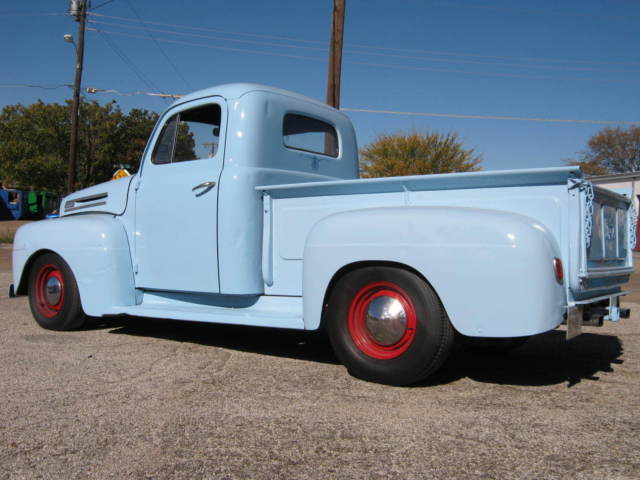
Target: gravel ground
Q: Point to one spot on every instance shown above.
(137, 398)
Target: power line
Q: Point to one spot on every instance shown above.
(31, 14)
(159, 47)
(41, 87)
(543, 11)
(409, 57)
(212, 37)
(127, 61)
(188, 27)
(500, 57)
(370, 64)
(419, 114)
(215, 47)
(130, 94)
(101, 5)
(377, 47)
(492, 117)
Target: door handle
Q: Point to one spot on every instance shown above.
(206, 185)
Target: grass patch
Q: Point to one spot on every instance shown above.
(6, 237)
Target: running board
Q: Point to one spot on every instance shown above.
(266, 311)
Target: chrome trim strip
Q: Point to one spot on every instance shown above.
(598, 273)
(85, 206)
(89, 198)
(597, 299)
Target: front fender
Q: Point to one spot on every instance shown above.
(96, 248)
(492, 270)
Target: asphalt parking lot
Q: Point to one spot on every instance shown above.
(137, 398)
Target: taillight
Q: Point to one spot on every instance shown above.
(557, 268)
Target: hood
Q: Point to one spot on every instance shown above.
(108, 197)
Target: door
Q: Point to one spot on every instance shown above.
(176, 217)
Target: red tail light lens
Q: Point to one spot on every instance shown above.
(557, 268)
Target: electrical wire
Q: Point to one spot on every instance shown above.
(546, 11)
(31, 14)
(369, 64)
(101, 5)
(420, 114)
(491, 117)
(377, 47)
(131, 94)
(41, 87)
(228, 32)
(348, 51)
(128, 62)
(173, 65)
(409, 57)
(212, 37)
(215, 47)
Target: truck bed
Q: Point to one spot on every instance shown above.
(554, 200)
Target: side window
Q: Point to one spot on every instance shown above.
(189, 135)
(163, 151)
(308, 134)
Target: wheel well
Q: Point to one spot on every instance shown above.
(370, 263)
(24, 277)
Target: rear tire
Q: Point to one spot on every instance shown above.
(53, 294)
(388, 326)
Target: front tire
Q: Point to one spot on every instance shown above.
(388, 326)
(53, 294)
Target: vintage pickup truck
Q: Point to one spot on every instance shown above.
(248, 209)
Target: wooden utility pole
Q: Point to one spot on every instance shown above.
(79, 10)
(335, 54)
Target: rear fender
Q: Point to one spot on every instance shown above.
(95, 247)
(492, 270)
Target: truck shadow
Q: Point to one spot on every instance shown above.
(546, 359)
(310, 346)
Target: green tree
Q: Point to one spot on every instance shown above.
(397, 154)
(34, 143)
(611, 150)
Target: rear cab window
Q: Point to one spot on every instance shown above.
(307, 134)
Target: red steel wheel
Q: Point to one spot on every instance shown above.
(387, 325)
(382, 320)
(53, 294)
(49, 290)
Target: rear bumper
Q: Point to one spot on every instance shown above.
(594, 311)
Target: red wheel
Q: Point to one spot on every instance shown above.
(49, 290)
(382, 320)
(53, 294)
(387, 325)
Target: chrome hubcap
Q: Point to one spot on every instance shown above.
(386, 320)
(53, 290)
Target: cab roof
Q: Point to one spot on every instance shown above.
(231, 91)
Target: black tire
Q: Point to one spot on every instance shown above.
(52, 310)
(415, 348)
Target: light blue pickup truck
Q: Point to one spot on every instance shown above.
(248, 210)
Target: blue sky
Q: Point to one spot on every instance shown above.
(544, 59)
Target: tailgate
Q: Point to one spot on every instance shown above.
(608, 237)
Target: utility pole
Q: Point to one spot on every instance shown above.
(335, 54)
(78, 9)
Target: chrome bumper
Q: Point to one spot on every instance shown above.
(593, 311)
